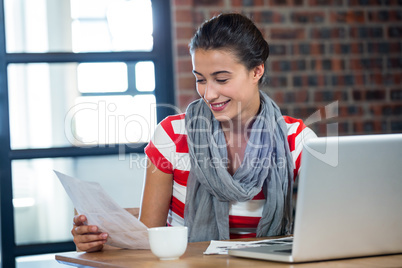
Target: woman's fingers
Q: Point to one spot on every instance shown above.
(90, 247)
(79, 220)
(84, 229)
(90, 242)
(87, 237)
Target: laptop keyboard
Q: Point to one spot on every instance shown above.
(288, 241)
(284, 250)
(278, 243)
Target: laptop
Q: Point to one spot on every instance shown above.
(349, 201)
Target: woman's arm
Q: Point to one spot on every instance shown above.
(156, 198)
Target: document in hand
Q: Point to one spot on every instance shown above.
(89, 199)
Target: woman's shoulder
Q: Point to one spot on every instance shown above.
(173, 118)
(170, 132)
(296, 127)
(174, 124)
(291, 120)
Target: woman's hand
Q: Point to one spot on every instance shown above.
(87, 237)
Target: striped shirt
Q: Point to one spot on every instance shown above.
(168, 151)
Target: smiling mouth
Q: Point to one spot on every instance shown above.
(219, 106)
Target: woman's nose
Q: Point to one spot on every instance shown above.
(210, 93)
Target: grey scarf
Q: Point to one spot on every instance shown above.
(267, 165)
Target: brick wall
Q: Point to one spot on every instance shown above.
(321, 51)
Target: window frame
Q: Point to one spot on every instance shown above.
(161, 55)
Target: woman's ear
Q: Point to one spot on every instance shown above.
(258, 72)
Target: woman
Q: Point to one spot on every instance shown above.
(226, 167)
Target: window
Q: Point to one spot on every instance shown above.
(86, 82)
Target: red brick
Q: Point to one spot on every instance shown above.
(184, 66)
(327, 32)
(277, 81)
(343, 127)
(285, 2)
(367, 32)
(396, 95)
(321, 80)
(184, 15)
(267, 16)
(396, 126)
(370, 127)
(279, 2)
(356, 48)
(186, 83)
(317, 48)
(277, 50)
(365, 64)
(290, 33)
(358, 127)
(242, 3)
(330, 95)
(394, 31)
(278, 96)
(184, 32)
(386, 110)
(394, 63)
(182, 50)
(384, 16)
(298, 65)
(346, 111)
(387, 79)
(185, 100)
(328, 64)
(301, 96)
(369, 95)
(359, 79)
(376, 110)
(373, 77)
(363, 3)
(285, 66)
(208, 2)
(347, 48)
(304, 111)
(182, 2)
(214, 12)
(338, 64)
(385, 47)
(308, 17)
(325, 3)
(372, 3)
(199, 18)
(347, 16)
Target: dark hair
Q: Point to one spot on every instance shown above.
(233, 32)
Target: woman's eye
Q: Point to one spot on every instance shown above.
(199, 80)
(221, 80)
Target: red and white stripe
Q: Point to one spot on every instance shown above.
(168, 151)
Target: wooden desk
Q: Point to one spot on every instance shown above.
(194, 258)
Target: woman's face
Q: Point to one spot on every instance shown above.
(227, 87)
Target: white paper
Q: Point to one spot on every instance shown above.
(222, 247)
(89, 199)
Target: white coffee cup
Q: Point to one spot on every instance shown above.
(168, 243)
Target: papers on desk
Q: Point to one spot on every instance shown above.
(222, 247)
(89, 199)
